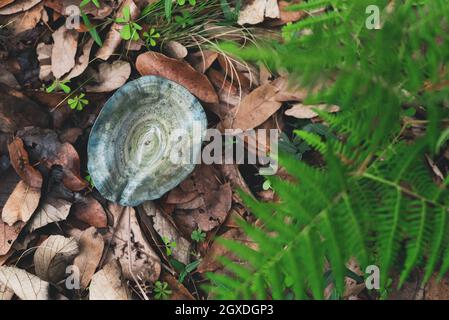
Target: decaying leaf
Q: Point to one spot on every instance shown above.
(21, 204)
(52, 210)
(179, 292)
(90, 211)
(91, 247)
(18, 6)
(131, 248)
(21, 164)
(44, 56)
(107, 284)
(25, 285)
(9, 234)
(202, 60)
(61, 7)
(255, 11)
(256, 107)
(167, 230)
(64, 51)
(113, 38)
(301, 111)
(24, 21)
(110, 76)
(4, 3)
(157, 64)
(5, 293)
(52, 257)
(81, 62)
(175, 50)
(45, 147)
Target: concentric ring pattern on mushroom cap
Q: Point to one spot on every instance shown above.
(145, 141)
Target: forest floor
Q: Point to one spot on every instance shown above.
(57, 72)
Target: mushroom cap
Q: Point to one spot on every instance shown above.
(145, 141)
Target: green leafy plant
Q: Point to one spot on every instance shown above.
(198, 235)
(183, 2)
(151, 37)
(59, 85)
(86, 2)
(161, 290)
(78, 102)
(169, 246)
(185, 19)
(375, 199)
(130, 29)
(184, 270)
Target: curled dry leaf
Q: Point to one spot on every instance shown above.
(113, 38)
(255, 11)
(18, 6)
(24, 21)
(25, 285)
(9, 234)
(82, 61)
(157, 64)
(21, 204)
(91, 247)
(110, 76)
(175, 50)
(134, 253)
(21, 164)
(46, 148)
(52, 257)
(301, 111)
(257, 107)
(107, 284)
(90, 211)
(167, 230)
(44, 56)
(64, 51)
(53, 210)
(202, 60)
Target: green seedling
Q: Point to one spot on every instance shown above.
(78, 102)
(198, 235)
(161, 290)
(184, 20)
(151, 37)
(169, 246)
(183, 2)
(130, 29)
(59, 85)
(86, 2)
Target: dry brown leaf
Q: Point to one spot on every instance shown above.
(107, 284)
(175, 50)
(52, 257)
(52, 210)
(18, 6)
(5, 293)
(301, 111)
(90, 211)
(60, 6)
(9, 234)
(64, 51)
(179, 292)
(25, 21)
(7, 78)
(272, 9)
(82, 61)
(25, 285)
(135, 255)
(202, 60)
(91, 247)
(44, 56)
(256, 107)
(288, 16)
(157, 64)
(110, 76)
(253, 12)
(113, 38)
(21, 204)
(168, 231)
(21, 164)
(46, 148)
(4, 3)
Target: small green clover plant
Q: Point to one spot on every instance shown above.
(183, 2)
(78, 102)
(130, 29)
(198, 235)
(151, 37)
(59, 85)
(184, 20)
(161, 290)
